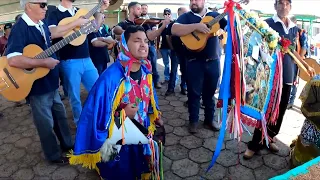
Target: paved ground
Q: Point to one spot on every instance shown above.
(186, 156)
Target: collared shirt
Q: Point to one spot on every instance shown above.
(290, 33)
(99, 55)
(26, 32)
(285, 28)
(212, 49)
(71, 10)
(68, 52)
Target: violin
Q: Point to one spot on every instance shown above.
(150, 21)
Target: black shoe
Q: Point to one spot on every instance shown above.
(183, 91)
(61, 161)
(185, 104)
(158, 85)
(210, 127)
(193, 128)
(169, 93)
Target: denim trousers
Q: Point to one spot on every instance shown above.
(75, 72)
(202, 80)
(183, 69)
(152, 56)
(50, 119)
(166, 53)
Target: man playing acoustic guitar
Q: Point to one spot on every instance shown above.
(203, 68)
(48, 111)
(76, 65)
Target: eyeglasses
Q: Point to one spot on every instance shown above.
(41, 4)
(167, 14)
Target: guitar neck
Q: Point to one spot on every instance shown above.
(54, 48)
(92, 11)
(217, 19)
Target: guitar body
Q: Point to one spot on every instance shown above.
(312, 63)
(198, 44)
(80, 40)
(24, 79)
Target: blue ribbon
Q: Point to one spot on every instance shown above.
(224, 94)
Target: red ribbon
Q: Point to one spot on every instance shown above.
(235, 78)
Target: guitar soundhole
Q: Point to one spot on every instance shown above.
(29, 70)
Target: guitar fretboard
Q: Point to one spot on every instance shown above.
(92, 11)
(54, 48)
(217, 19)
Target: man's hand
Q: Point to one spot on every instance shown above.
(81, 21)
(131, 110)
(166, 21)
(203, 28)
(50, 63)
(311, 71)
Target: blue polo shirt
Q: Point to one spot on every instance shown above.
(290, 33)
(69, 51)
(26, 32)
(99, 55)
(213, 48)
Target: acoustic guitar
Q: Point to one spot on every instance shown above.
(80, 13)
(197, 41)
(312, 63)
(16, 83)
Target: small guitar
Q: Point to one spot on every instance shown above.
(15, 83)
(197, 41)
(80, 13)
(312, 63)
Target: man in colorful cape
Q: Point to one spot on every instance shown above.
(125, 90)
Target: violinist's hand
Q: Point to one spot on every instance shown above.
(311, 71)
(166, 20)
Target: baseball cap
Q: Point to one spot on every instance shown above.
(166, 10)
(7, 26)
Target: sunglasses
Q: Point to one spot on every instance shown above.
(167, 14)
(41, 4)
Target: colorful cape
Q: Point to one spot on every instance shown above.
(97, 117)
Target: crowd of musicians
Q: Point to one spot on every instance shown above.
(75, 65)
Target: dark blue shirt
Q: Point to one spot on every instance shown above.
(164, 42)
(288, 63)
(69, 51)
(177, 44)
(99, 55)
(23, 35)
(213, 48)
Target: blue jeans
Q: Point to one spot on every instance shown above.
(166, 53)
(75, 72)
(202, 80)
(50, 119)
(152, 56)
(294, 87)
(183, 69)
(174, 71)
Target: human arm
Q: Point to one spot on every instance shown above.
(310, 70)
(304, 44)
(182, 27)
(58, 31)
(14, 52)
